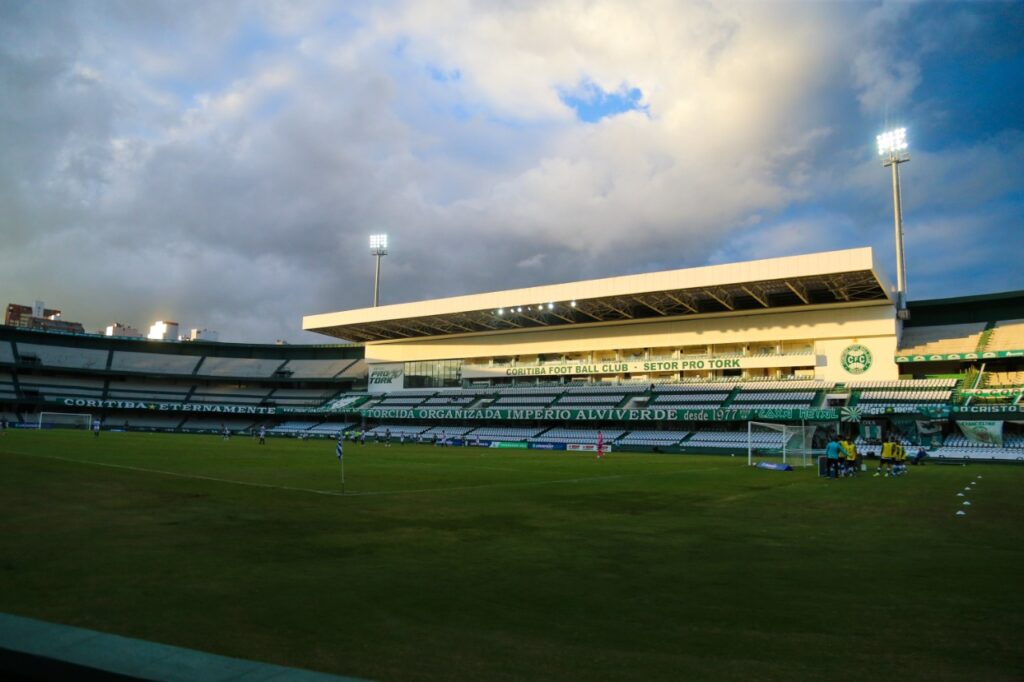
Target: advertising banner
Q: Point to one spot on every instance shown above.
(386, 377)
(547, 446)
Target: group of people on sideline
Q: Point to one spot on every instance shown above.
(437, 439)
(843, 458)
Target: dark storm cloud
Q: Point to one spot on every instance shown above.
(222, 164)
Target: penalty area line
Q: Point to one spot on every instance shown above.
(197, 477)
(354, 493)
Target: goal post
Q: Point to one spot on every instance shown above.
(65, 420)
(786, 443)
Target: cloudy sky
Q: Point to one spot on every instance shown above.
(223, 163)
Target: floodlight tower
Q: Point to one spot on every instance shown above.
(892, 147)
(378, 247)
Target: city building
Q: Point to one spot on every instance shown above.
(163, 330)
(126, 330)
(38, 316)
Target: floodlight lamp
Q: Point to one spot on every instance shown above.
(573, 304)
(501, 311)
(551, 306)
(892, 141)
(378, 243)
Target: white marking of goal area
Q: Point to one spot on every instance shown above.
(786, 443)
(64, 420)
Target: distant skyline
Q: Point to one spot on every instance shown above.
(223, 164)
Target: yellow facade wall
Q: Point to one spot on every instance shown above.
(832, 328)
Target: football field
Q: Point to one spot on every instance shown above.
(466, 563)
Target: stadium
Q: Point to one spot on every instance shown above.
(537, 483)
(679, 361)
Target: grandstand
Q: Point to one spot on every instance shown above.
(653, 439)
(679, 361)
(140, 384)
(575, 436)
(1007, 335)
(505, 433)
(949, 338)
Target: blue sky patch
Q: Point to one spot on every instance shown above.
(591, 103)
(442, 76)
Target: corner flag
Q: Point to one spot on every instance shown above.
(339, 450)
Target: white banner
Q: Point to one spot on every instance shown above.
(386, 377)
(985, 432)
(587, 447)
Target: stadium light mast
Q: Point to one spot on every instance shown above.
(892, 147)
(378, 247)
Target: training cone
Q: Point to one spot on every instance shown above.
(967, 503)
(961, 513)
(959, 494)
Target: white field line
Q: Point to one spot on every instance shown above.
(338, 493)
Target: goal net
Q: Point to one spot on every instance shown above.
(65, 420)
(781, 443)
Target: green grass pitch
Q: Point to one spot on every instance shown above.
(463, 563)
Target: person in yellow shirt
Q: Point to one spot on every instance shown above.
(899, 460)
(851, 457)
(885, 465)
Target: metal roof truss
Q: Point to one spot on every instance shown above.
(788, 292)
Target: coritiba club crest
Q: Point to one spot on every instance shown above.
(856, 359)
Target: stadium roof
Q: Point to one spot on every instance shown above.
(833, 277)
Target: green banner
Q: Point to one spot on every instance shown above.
(871, 430)
(549, 413)
(964, 411)
(993, 392)
(215, 408)
(600, 414)
(939, 357)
